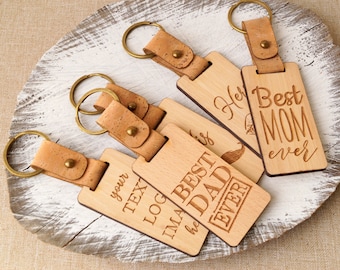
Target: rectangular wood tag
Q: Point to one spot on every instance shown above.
(219, 91)
(286, 130)
(204, 185)
(214, 137)
(128, 199)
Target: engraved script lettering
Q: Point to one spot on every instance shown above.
(120, 183)
(232, 101)
(284, 120)
(202, 138)
(194, 228)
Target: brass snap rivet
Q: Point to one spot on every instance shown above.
(177, 54)
(70, 163)
(132, 131)
(132, 106)
(265, 44)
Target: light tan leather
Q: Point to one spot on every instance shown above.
(267, 60)
(51, 158)
(150, 114)
(125, 97)
(163, 45)
(117, 119)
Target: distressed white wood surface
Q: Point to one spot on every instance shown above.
(49, 207)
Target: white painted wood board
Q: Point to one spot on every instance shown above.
(49, 207)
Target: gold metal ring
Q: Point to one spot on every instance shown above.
(82, 99)
(77, 82)
(129, 30)
(9, 144)
(233, 7)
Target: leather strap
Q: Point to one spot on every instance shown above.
(262, 45)
(150, 114)
(175, 55)
(65, 164)
(141, 139)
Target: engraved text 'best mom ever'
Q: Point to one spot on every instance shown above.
(286, 130)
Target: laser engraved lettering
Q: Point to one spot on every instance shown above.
(228, 103)
(230, 204)
(170, 230)
(202, 138)
(155, 209)
(120, 183)
(194, 228)
(213, 178)
(284, 120)
(135, 197)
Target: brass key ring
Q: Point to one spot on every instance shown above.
(82, 99)
(9, 144)
(129, 30)
(233, 7)
(77, 82)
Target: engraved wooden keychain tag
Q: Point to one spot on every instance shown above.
(110, 187)
(283, 119)
(211, 135)
(127, 198)
(198, 181)
(212, 82)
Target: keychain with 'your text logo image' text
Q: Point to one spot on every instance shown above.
(198, 181)
(212, 82)
(110, 187)
(211, 135)
(283, 119)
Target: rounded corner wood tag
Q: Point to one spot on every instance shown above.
(283, 119)
(219, 91)
(214, 137)
(128, 199)
(205, 186)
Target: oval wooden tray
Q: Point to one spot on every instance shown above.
(49, 207)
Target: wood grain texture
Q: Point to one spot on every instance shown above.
(49, 207)
(201, 183)
(128, 199)
(213, 137)
(284, 122)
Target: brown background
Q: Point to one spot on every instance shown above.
(30, 27)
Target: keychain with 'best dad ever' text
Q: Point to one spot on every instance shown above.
(111, 188)
(282, 116)
(189, 174)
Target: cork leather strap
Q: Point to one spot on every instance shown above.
(130, 130)
(150, 114)
(65, 164)
(262, 45)
(175, 55)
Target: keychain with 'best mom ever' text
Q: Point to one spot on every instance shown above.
(212, 82)
(111, 188)
(283, 119)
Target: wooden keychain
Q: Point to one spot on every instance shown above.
(110, 187)
(283, 119)
(198, 181)
(212, 82)
(214, 137)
